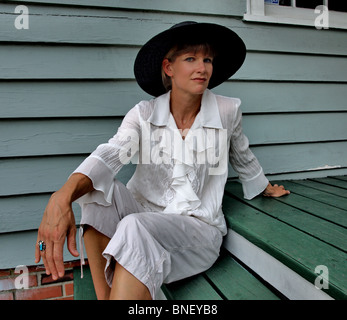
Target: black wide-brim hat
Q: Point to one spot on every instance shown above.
(229, 48)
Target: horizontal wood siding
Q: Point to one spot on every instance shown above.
(67, 81)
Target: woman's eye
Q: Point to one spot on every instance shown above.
(208, 60)
(190, 59)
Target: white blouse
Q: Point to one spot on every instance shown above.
(175, 175)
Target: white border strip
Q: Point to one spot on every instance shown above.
(285, 280)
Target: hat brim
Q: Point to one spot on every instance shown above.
(229, 47)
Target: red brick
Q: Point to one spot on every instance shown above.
(6, 296)
(37, 268)
(72, 264)
(68, 289)
(68, 276)
(4, 273)
(39, 293)
(32, 280)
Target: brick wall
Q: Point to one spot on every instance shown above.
(40, 286)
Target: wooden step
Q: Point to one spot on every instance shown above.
(226, 280)
(300, 231)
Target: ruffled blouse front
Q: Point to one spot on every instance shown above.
(175, 175)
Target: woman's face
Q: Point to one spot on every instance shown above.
(190, 72)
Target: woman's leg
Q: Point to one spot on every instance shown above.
(126, 287)
(95, 243)
(100, 223)
(157, 248)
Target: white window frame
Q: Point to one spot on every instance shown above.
(259, 11)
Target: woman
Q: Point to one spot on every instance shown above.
(167, 224)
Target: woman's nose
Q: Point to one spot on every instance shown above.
(201, 67)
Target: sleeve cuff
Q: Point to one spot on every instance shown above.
(256, 185)
(102, 178)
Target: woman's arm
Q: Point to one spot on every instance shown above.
(58, 223)
(247, 165)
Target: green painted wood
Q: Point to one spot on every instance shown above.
(114, 98)
(293, 67)
(314, 194)
(323, 187)
(315, 207)
(236, 283)
(298, 127)
(20, 213)
(193, 288)
(202, 6)
(297, 250)
(18, 248)
(326, 231)
(46, 174)
(54, 137)
(35, 175)
(66, 62)
(285, 96)
(83, 288)
(75, 135)
(333, 182)
(41, 175)
(290, 158)
(54, 99)
(66, 24)
(112, 62)
(62, 24)
(343, 178)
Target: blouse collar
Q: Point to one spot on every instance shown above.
(209, 112)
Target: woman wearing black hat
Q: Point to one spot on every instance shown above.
(167, 223)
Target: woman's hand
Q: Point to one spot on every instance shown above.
(58, 222)
(275, 191)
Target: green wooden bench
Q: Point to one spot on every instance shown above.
(275, 248)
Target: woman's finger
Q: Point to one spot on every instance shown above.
(37, 251)
(58, 258)
(47, 256)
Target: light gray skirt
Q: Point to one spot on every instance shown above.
(155, 247)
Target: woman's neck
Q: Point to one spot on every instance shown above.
(184, 109)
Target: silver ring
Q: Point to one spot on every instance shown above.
(42, 245)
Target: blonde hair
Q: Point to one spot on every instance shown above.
(180, 49)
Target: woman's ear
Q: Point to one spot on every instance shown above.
(166, 65)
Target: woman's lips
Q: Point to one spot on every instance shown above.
(199, 79)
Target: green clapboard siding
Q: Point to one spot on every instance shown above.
(109, 98)
(111, 62)
(67, 81)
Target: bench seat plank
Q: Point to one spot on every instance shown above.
(315, 194)
(333, 182)
(236, 283)
(314, 207)
(344, 178)
(323, 187)
(294, 248)
(321, 229)
(193, 288)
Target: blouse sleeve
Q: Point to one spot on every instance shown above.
(244, 161)
(108, 158)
